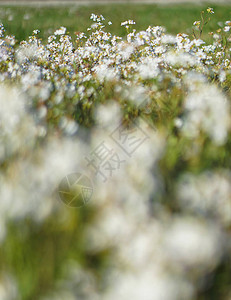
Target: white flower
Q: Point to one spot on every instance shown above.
(148, 68)
(17, 129)
(207, 109)
(108, 116)
(60, 31)
(129, 22)
(36, 31)
(190, 243)
(208, 193)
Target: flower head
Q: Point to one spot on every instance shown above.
(210, 10)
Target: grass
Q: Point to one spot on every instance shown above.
(21, 21)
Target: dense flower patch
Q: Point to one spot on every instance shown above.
(158, 107)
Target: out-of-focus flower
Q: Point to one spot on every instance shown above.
(60, 31)
(210, 10)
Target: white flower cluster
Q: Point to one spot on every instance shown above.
(164, 216)
(207, 109)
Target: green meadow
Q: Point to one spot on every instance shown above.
(21, 21)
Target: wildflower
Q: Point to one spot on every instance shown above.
(129, 22)
(210, 10)
(60, 31)
(206, 108)
(93, 17)
(36, 31)
(2, 30)
(197, 23)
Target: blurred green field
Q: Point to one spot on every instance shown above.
(21, 21)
